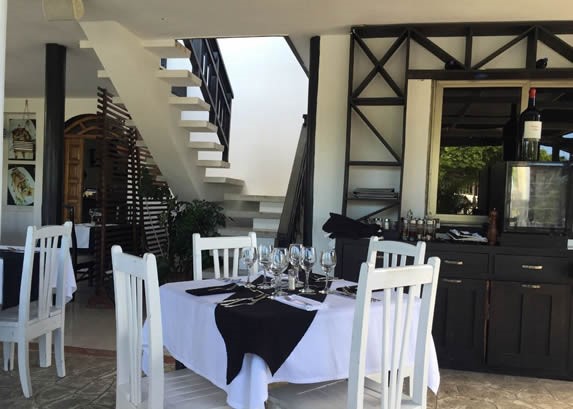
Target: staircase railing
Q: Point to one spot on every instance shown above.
(292, 218)
(208, 65)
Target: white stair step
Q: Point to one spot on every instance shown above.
(207, 146)
(243, 231)
(150, 162)
(166, 48)
(213, 164)
(250, 214)
(179, 78)
(253, 198)
(160, 178)
(224, 180)
(197, 126)
(130, 123)
(189, 103)
(140, 143)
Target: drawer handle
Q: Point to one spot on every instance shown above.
(531, 267)
(449, 280)
(533, 286)
(454, 262)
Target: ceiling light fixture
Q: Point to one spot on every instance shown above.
(58, 10)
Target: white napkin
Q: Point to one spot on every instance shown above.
(300, 302)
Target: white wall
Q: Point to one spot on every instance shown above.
(15, 219)
(271, 92)
(330, 133)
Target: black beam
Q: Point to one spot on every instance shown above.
(376, 132)
(296, 54)
(312, 104)
(502, 49)
(460, 29)
(55, 98)
(494, 74)
(531, 56)
(372, 163)
(555, 43)
(348, 123)
(432, 47)
(469, 47)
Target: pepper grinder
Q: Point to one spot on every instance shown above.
(492, 228)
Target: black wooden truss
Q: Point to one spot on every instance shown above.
(453, 69)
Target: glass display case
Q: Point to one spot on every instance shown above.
(536, 196)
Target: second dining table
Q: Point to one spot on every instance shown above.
(192, 335)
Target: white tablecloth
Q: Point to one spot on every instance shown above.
(191, 336)
(70, 286)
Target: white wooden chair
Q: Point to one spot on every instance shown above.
(228, 246)
(360, 391)
(134, 277)
(38, 319)
(395, 253)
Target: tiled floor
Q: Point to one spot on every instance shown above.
(90, 380)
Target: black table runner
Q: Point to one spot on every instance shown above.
(269, 329)
(13, 261)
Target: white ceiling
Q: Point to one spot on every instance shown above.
(28, 32)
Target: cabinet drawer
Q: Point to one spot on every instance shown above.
(462, 264)
(532, 268)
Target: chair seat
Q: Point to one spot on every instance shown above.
(9, 316)
(185, 389)
(326, 395)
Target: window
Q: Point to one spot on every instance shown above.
(475, 124)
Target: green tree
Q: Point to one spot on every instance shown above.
(460, 168)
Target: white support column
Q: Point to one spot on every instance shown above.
(3, 20)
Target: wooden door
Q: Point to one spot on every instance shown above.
(459, 323)
(74, 175)
(529, 326)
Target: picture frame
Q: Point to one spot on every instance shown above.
(21, 185)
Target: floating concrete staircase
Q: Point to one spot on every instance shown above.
(182, 157)
(246, 213)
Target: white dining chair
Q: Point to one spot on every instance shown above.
(41, 318)
(135, 281)
(225, 247)
(399, 303)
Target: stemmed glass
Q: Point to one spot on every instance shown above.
(249, 256)
(279, 263)
(327, 262)
(265, 253)
(295, 258)
(308, 259)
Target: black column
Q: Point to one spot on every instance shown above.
(55, 97)
(311, 122)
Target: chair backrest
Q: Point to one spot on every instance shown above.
(132, 276)
(220, 246)
(395, 253)
(398, 323)
(53, 243)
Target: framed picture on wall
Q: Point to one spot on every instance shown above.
(21, 134)
(21, 181)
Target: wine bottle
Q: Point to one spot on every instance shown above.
(530, 121)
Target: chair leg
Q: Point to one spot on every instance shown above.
(59, 352)
(8, 356)
(45, 349)
(24, 368)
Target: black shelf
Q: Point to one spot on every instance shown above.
(373, 163)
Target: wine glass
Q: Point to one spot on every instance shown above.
(295, 257)
(249, 257)
(279, 263)
(265, 253)
(327, 262)
(308, 259)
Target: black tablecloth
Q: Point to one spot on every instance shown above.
(13, 276)
(269, 329)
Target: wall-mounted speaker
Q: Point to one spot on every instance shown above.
(56, 10)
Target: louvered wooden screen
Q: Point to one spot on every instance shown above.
(153, 206)
(117, 199)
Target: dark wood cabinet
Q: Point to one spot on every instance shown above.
(505, 309)
(529, 326)
(459, 323)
